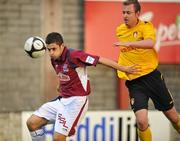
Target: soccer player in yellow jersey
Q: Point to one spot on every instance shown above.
(136, 41)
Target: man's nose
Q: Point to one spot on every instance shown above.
(125, 14)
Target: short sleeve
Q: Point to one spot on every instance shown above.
(149, 31)
(81, 58)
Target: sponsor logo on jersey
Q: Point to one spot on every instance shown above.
(127, 49)
(63, 77)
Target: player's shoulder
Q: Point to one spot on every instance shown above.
(121, 27)
(75, 53)
(145, 23)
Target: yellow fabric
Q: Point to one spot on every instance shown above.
(146, 58)
(145, 135)
(177, 125)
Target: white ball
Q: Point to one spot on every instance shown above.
(35, 47)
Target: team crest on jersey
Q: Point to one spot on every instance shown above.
(135, 34)
(90, 60)
(63, 77)
(65, 68)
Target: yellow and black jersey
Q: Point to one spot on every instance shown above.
(146, 58)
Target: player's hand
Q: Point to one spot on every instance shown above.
(134, 69)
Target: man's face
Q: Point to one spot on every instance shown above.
(55, 50)
(129, 15)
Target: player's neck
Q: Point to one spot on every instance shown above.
(134, 24)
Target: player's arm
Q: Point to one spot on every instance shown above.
(127, 69)
(146, 44)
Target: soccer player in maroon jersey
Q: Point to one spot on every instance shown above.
(69, 108)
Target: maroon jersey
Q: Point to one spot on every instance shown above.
(72, 73)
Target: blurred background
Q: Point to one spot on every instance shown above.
(27, 83)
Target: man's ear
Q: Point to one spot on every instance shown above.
(62, 45)
(137, 14)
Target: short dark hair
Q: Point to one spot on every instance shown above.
(54, 37)
(136, 4)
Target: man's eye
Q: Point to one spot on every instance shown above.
(128, 12)
(53, 49)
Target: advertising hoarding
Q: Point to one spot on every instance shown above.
(108, 126)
